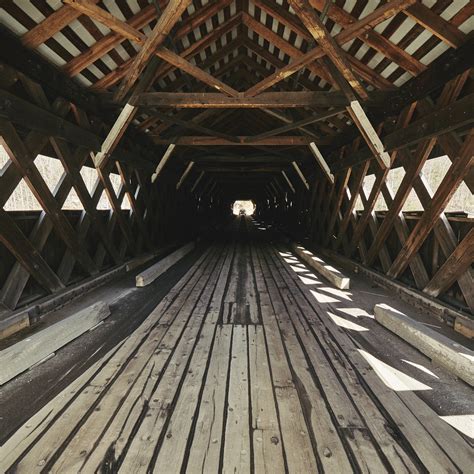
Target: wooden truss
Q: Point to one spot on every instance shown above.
(293, 103)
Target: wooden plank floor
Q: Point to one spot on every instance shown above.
(238, 369)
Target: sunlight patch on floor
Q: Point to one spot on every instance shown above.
(356, 312)
(298, 269)
(309, 281)
(323, 298)
(463, 423)
(344, 323)
(336, 292)
(392, 377)
(420, 367)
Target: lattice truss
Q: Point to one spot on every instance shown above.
(320, 93)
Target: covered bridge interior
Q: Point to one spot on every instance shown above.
(223, 342)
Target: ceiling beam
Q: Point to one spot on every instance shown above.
(352, 31)
(300, 123)
(171, 14)
(192, 125)
(203, 100)
(216, 141)
(327, 43)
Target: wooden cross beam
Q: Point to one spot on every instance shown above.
(300, 174)
(185, 174)
(446, 189)
(266, 100)
(321, 162)
(192, 125)
(23, 160)
(317, 29)
(290, 184)
(193, 21)
(372, 38)
(299, 123)
(133, 34)
(165, 23)
(281, 140)
(436, 123)
(198, 179)
(454, 266)
(352, 31)
(163, 161)
(17, 243)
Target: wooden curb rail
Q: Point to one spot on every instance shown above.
(440, 349)
(327, 271)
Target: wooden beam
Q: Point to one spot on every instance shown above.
(243, 141)
(367, 130)
(373, 39)
(358, 182)
(198, 179)
(300, 123)
(354, 30)
(89, 8)
(446, 189)
(321, 162)
(436, 123)
(114, 135)
(163, 161)
(319, 32)
(165, 23)
(192, 22)
(137, 213)
(31, 116)
(185, 174)
(199, 74)
(73, 167)
(53, 23)
(290, 184)
(192, 125)
(266, 100)
(28, 256)
(137, 36)
(342, 189)
(18, 153)
(300, 174)
(437, 25)
(454, 266)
